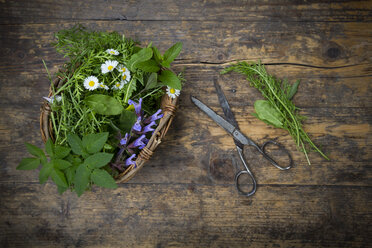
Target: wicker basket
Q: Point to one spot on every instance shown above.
(168, 106)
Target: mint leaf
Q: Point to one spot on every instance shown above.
(61, 164)
(157, 56)
(171, 54)
(75, 143)
(143, 55)
(82, 178)
(61, 151)
(103, 179)
(28, 164)
(170, 79)
(152, 81)
(127, 119)
(94, 142)
(98, 160)
(59, 178)
(148, 66)
(49, 147)
(293, 89)
(34, 150)
(45, 173)
(104, 104)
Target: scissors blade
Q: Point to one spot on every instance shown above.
(237, 135)
(227, 110)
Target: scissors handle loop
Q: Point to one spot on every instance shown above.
(270, 159)
(244, 172)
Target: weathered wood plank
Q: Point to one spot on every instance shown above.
(185, 215)
(41, 11)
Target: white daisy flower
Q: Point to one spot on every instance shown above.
(91, 83)
(112, 51)
(108, 66)
(103, 86)
(126, 76)
(172, 93)
(118, 85)
(51, 99)
(122, 68)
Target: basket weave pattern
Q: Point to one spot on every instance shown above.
(168, 107)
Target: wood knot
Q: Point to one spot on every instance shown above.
(145, 154)
(170, 108)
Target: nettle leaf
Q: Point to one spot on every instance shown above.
(171, 54)
(49, 147)
(152, 81)
(45, 172)
(28, 164)
(267, 112)
(82, 178)
(293, 89)
(104, 104)
(149, 66)
(127, 119)
(94, 142)
(143, 55)
(61, 189)
(103, 179)
(98, 160)
(59, 178)
(34, 150)
(61, 151)
(61, 164)
(170, 79)
(70, 174)
(75, 143)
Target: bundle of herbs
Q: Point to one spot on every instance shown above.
(106, 109)
(277, 110)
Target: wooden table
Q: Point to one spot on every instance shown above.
(185, 197)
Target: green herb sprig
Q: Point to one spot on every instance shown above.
(278, 109)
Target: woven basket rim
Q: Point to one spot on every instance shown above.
(168, 107)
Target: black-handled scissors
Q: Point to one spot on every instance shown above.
(231, 126)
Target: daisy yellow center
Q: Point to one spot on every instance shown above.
(124, 77)
(123, 69)
(117, 85)
(91, 83)
(110, 67)
(103, 86)
(112, 52)
(172, 90)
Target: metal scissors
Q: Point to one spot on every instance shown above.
(231, 126)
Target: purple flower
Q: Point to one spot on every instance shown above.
(149, 128)
(138, 142)
(137, 106)
(124, 141)
(137, 126)
(145, 141)
(154, 117)
(130, 161)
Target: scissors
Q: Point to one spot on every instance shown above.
(240, 140)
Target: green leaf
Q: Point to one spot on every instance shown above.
(75, 143)
(59, 178)
(28, 164)
(104, 104)
(267, 112)
(143, 55)
(61, 164)
(157, 56)
(148, 66)
(130, 88)
(94, 142)
(152, 81)
(103, 179)
(171, 54)
(61, 151)
(34, 150)
(98, 160)
(170, 79)
(61, 189)
(45, 173)
(49, 147)
(82, 178)
(127, 119)
(70, 174)
(293, 89)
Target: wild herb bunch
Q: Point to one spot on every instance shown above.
(106, 77)
(277, 109)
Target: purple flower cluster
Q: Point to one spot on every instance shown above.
(135, 140)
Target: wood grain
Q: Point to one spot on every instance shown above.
(185, 196)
